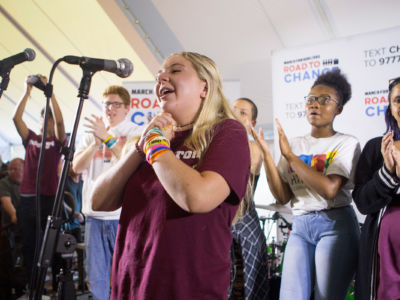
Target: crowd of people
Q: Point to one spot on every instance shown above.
(158, 225)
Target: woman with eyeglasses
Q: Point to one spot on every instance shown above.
(377, 194)
(315, 175)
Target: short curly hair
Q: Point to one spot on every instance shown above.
(338, 81)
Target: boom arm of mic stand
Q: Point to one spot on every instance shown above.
(5, 79)
(54, 222)
(86, 81)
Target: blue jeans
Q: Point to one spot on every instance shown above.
(321, 255)
(100, 240)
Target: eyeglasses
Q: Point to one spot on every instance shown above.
(322, 100)
(113, 104)
(393, 82)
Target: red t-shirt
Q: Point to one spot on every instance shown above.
(164, 252)
(51, 160)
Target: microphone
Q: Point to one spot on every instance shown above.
(8, 63)
(122, 67)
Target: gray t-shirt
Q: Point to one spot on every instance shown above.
(10, 189)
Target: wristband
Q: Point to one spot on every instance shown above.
(107, 139)
(159, 153)
(155, 144)
(154, 141)
(156, 152)
(111, 143)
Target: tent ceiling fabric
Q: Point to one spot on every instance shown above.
(239, 35)
(55, 29)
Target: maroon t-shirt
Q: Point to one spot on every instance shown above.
(164, 252)
(51, 160)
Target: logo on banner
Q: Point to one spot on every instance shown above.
(144, 106)
(381, 56)
(376, 103)
(307, 68)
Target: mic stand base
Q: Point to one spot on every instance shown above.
(51, 236)
(66, 287)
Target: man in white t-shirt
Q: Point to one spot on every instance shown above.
(95, 153)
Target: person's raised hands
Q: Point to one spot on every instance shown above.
(283, 141)
(387, 147)
(96, 126)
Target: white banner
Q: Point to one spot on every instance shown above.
(368, 61)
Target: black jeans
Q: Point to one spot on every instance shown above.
(26, 214)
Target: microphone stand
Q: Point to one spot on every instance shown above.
(277, 216)
(65, 243)
(5, 79)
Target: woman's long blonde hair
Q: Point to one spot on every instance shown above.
(214, 109)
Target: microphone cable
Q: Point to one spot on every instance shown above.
(48, 91)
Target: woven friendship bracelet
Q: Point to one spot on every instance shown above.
(139, 149)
